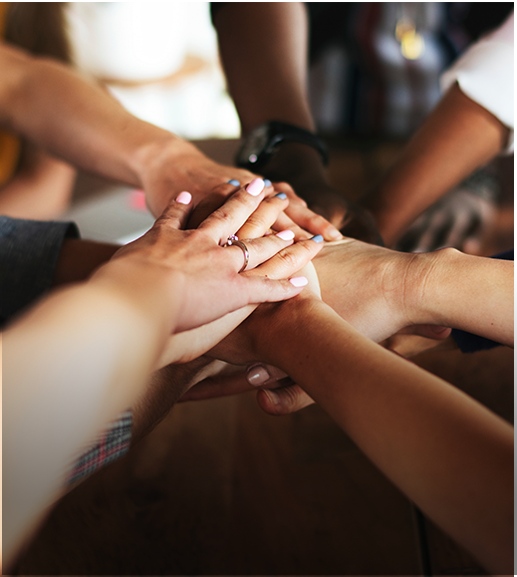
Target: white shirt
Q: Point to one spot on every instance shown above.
(485, 74)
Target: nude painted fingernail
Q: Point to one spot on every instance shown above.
(184, 197)
(285, 234)
(257, 375)
(299, 281)
(255, 187)
(335, 234)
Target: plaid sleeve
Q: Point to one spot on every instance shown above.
(112, 445)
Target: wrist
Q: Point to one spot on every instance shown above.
(276, 343)
(150, 159)
(427, 276)
(80, 258)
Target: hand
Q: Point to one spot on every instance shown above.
(171, 271)
(373, 288)
(187, 345)
(276, 392)
(351, 219)
(191, 170)
(458, 220)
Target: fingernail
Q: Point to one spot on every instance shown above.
(281, 195)
(299, 281)
(255, 187)
(257, 375)
(285, 234)
(234, 182)
(184, 197)
(335, 234)
(267, 182)
(317, 238)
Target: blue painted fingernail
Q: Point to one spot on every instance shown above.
(281, 195)
(267, 182)
(234, 182)
(317, 238)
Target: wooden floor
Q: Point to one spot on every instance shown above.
(220, 488)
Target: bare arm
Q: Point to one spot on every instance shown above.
(458, 137)
(380, 291)
(264, 52)
(447, 453)
(83, 355)
(76, 120)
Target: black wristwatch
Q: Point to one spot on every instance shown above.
(262, 142)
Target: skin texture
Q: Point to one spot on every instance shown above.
(121, 318)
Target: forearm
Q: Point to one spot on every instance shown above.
(93, 131)
(458, 137)
(61, 389)
(448, 454)
(472, 293)
(263, 48)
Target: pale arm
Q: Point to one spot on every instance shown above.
(78, 121)
(381, 291)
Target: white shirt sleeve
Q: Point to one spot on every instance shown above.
(485, 74)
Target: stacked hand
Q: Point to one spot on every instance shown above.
(189, 278)
(375, 289)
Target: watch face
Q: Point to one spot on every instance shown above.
(254, 144)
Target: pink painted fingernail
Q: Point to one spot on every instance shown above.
(299, 281)
(257, 375)
(184, 197)
(255, 187)
(285, 234)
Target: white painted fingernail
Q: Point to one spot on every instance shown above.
(285, 234)
(255, 187)
(299, 281)
(184, 197)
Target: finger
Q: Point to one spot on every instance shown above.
(212, 201)
(229, 218)
(304, 217)
(261, 221)
(289, 260)
(256, 251)
(261, 375)
(283, 401)
(218, 386)
(283, 222)
(312, 222)
(177, 212)
(466, 224)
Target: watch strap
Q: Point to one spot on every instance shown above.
(277, 133)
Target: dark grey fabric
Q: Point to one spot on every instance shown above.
(29, 251)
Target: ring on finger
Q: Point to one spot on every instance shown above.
(233, 240)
